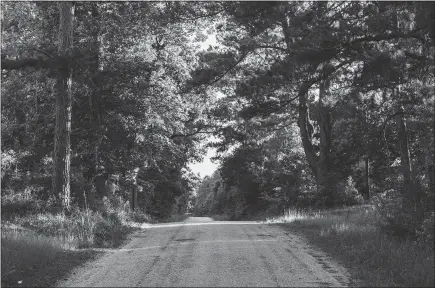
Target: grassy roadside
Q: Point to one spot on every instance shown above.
(29, 259)
(355, 238)
(41, 248)
(32, 260)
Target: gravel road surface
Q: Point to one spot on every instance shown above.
(203, 252)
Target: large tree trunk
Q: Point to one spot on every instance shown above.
(319, 163)
(412, 194)
(304, 128)
(62, 145)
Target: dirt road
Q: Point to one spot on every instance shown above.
(203, 252)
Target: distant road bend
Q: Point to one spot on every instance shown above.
(203, 252)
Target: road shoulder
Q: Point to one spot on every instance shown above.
(328, 250)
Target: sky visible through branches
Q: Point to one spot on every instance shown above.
(206, 167)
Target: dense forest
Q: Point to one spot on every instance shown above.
(310, 104)
(94, 91)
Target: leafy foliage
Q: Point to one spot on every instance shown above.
(127, 100)
(350, 75)
(310, 104)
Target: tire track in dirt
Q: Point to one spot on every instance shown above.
(263, 259)
(157, 259)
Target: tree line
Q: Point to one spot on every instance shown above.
(328, 103)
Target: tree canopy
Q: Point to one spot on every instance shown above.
(310, 103)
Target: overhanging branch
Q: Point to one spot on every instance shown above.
(389, 36)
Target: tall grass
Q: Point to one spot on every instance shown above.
(38, 247)
(357, 238)
(78, 228)
(74, 231)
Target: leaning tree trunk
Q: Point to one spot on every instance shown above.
(62, 145)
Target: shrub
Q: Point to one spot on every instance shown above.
(115, 205)
(20, 204)
(139, 216)
(22, 207)
(405, 217)
(348, 194)
(109, 231)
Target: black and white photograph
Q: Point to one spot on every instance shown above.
(217, 143)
